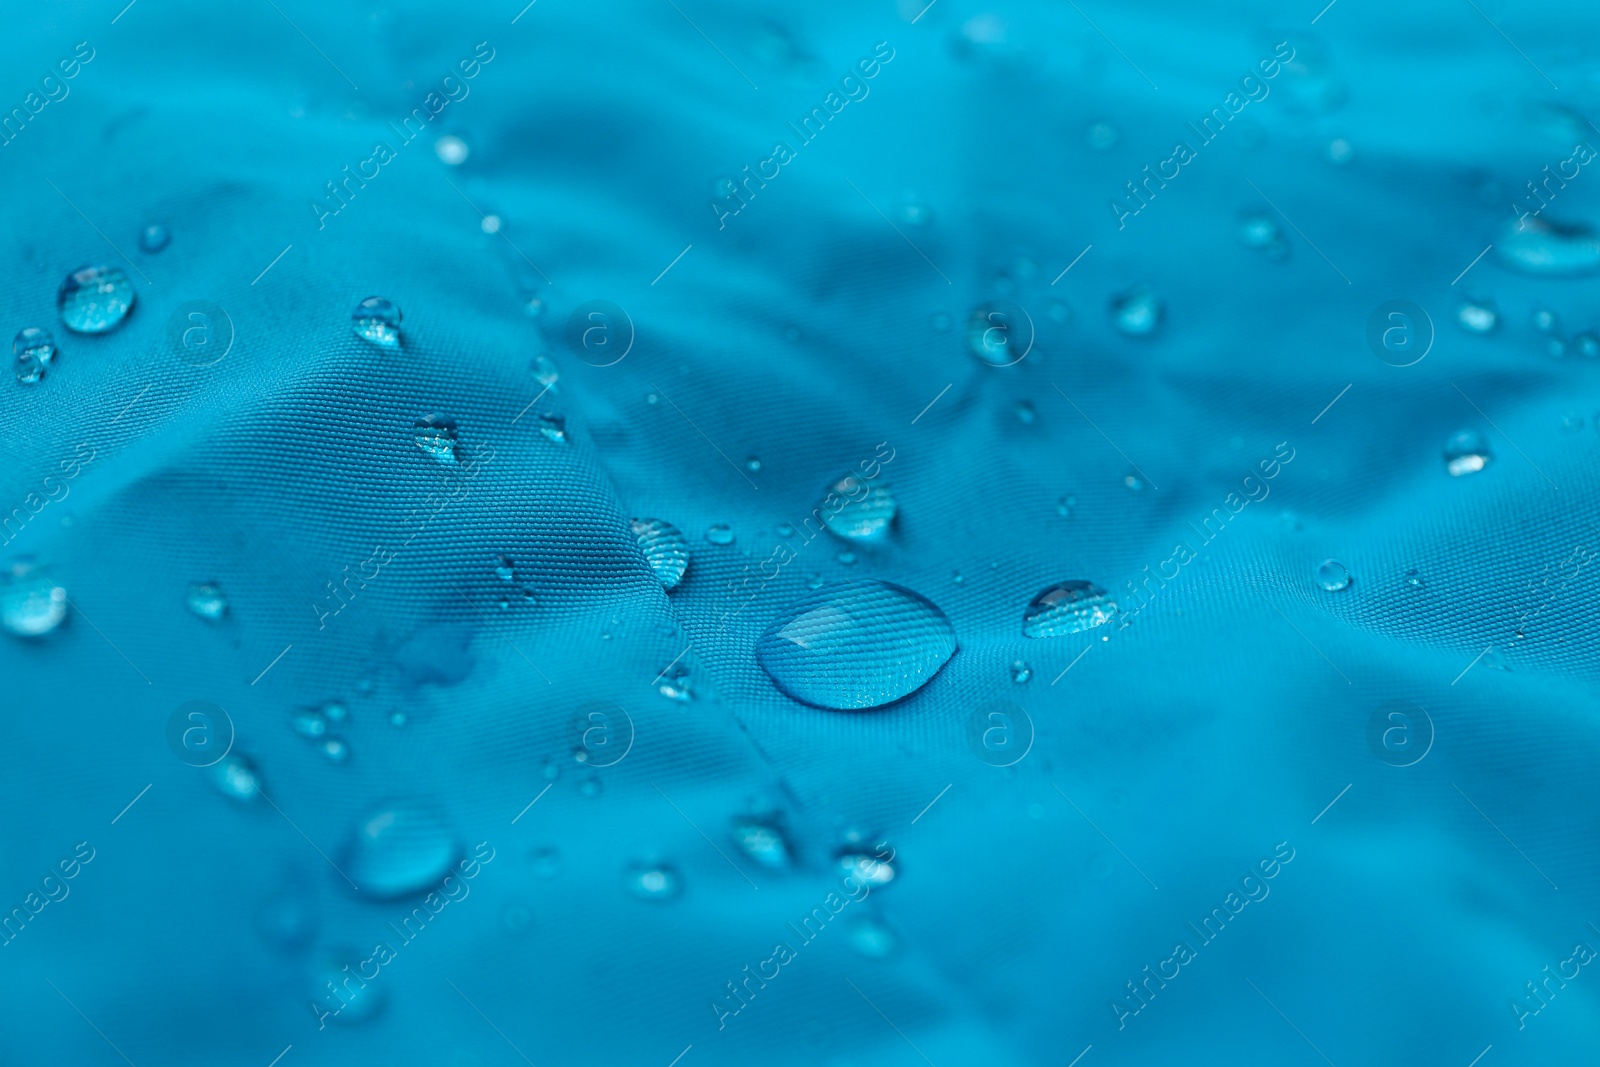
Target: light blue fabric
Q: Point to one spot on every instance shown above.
(1239, 724)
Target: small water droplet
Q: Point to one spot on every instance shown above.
(95, 299)
(1058, 311)
(1069, 607)
(154, 238)
(651, 398)
(545, 372)
(1000, 334)
(866, 868)
(871, 939)
(1065, 506)
(377, 320)
(1024, 412)
(546, 862)
(1021, 672)
(1333, 575)
(1413, 579)
(451, 150)
(490, 224)
(1478, 316)
(336, 750)
(1543, 320)
(763, 842)
(397, 719)
(1137, 312)
(30, 604)
(309, 723)
(674, 684)
(35, 350)
(752, 464)
(1466, 453)
(1101, 135)
(856, 646)
(955, 576)
(1133, 481)
(1341, 151)
(1263, 233)
(554, 427)
(848, 559)
(914, 212)
(1587, 345)
(720, 534)
(1555, 347)
(656, 882)
(206, 601)
(590, 787)
(436, 435)
(815, 581)
(857, 510)
(504, 568)
(235, 777)
(399, 849)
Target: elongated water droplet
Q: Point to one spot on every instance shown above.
(436, 435)
(763, 841)
(1548, 249)
(1477, 316)
(35, 350)
(855, 646)
(1069, 607)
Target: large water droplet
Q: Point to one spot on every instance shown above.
(1067, 608)
(858, 645)
(206, 601)
(1548, 249)
(664, 549)
(377, 320)
(1137, 312)
(400, 849)
(864, 510)
(1333, 576)
(31, 605)
(95, 299)
(1466, 453)
(35, 351)
(436, 435)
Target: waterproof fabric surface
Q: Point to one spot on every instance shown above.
(1213, 843)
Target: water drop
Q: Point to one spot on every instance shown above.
(1341, 151)
(720, 534)
(546, 862)
(35, 350)
(1263, 233)
(95, 299)
(206, 601)
(30, 604)
(1069, 607)
(652, 882)
(338, 989)
(504, 568)
(1413, 579)
(336, 750)
(752, 464)
(1466, 453)
(1137, 312)
(1543, 320)
(857, 510)
(1548, 249)
(436, 435)
(1587, 345)
(1100, 135)
(590, 787)
(490, 224)
(1555, 347)
(154, 238)
(451, 150)
(871, 939)
(1333, 575)
(400, 849)
(855, 646)
(847, 559)
(866, 868)
(1477, 316)
(1021, 672)
(1024, 412)
(1065, 505)
(309, 723)
(554, 427)
(914, 212)
(814, 581)
(763, 842)
(235, 777)
(673, 683)
(377, 320)
(1000, 334)
(545, 372)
